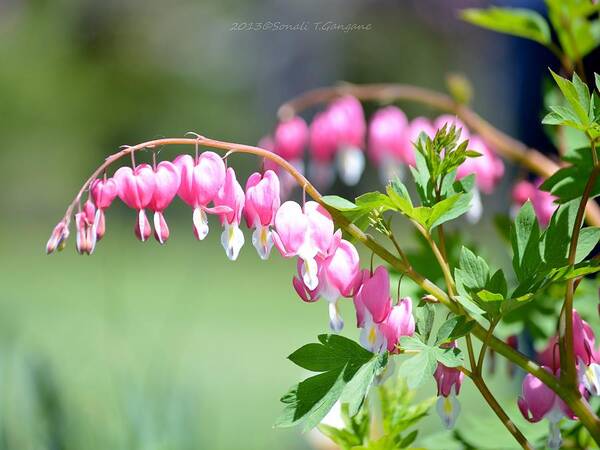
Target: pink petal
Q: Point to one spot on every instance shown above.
(167, 180)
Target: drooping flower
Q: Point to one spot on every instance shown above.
(303, 233)
(373, 296)
(386, 133)
(200, 183)
(449, 381)
(538, 401)
(322, 151)
(543, 202)
(417, 126)
(103, 192)
(57, 239)
(337, 274)
(262, 203)
(167, 181)
(86, 230)
(135, 188)
(584, 342)
(232, 196)
(286, 181)
(399, 322)
(290, 138)
(382, 324)
(338, 132)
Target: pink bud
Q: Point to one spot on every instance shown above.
(290, 138)
(262, 199)
(103, 192)
(374, 294)
(399, 322)
(86, 233)
(58, 237)
(386, 132)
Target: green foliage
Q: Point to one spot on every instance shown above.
(346, 372)
(517, 22)
(398, 415)
(568, 183)
(420, 367)
(577, 30)
(582, 110)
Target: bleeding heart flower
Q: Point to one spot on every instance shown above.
(58, 237)
(304, 233)
(103, 192)
(86, 231)
(449, 381)
(399, 322)
(135, 188)
(290, 138)
(200, 183)
(262, 203)
(231, 195)
(167, 180)
(373, 295)
(337, 274)
(386, 141)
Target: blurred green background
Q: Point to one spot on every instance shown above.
(149, 347)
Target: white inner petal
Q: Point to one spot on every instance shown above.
(336, 323)
(310, 273)
(232, 240)
(351, 164)
(262, 241)
(200, 223)
(476, 210)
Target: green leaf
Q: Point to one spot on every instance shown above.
(474, 271)
(577, 95)
(452, 329)
(424, 318)
(588, 239)
(409, 439)
(450, 209)
(346, 368)
(419, 368)
(374, 200)
(568, 183)
(355, 392)
(558, 235)
(488, 296)
(525, 240)
(450, 357)
(517, 22)
(339, 203)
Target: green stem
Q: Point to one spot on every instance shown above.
(484, 345)
(567, 354)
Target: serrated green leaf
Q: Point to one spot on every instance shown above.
(517, 22)
(452, 329)
(588, 239)
(474, 271)
(525, 241)
(424, 318)
(419, 368)
(488, 296)
(450, 357)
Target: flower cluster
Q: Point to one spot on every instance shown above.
(539, 402)
(204, 183)
(339, 136)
